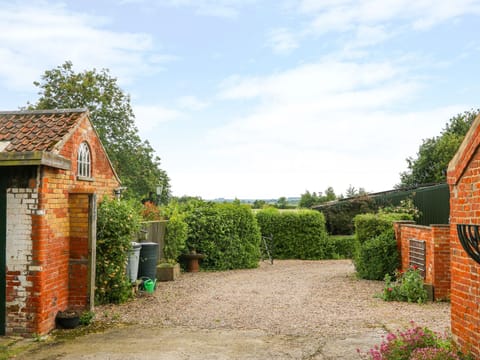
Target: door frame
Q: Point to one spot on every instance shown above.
(3, 251)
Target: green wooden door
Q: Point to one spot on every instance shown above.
(3, 245)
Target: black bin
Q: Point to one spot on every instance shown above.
(148, 260)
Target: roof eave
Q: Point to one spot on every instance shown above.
(34, 158)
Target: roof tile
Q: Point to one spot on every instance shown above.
(36, 130)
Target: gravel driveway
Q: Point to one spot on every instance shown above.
(292, 310)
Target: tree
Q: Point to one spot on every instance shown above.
(435, 153)
(113, 118)
(330, 194)
(308, 199)
(282, 203)
(258, 204)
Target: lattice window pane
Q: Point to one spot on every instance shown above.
(84, 161)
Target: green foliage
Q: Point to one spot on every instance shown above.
(339, 216)
(118, 222)
(152, 212)
(415, 343)
(227, 234)
(406, 206)
(86, 318)
(368, 226)
(308, 199)
(408, 286)
(111, 113)
(377, 256)
(435, 153)
(176, 235)
(343, 246)
(296, 234)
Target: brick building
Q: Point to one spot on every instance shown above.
(463, 177)
(53, 170)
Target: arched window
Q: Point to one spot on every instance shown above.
(84, 161)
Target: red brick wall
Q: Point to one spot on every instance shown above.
(464, 179)
(58, 270)
(437, 253)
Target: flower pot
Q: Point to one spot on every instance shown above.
(68, 319)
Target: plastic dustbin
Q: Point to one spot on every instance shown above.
(148, 260)
(133, 261)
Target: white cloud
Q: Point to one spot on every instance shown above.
(282, 41)
(42, 35)
(322, 124)
(190, 102)
(148, 117)
(215, 8)
(374, 21)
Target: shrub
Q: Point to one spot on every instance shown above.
(151, 212)
(227, 234)
(176, 234)
(415, 343)
(407, 287)
(339, 215)
(368, 226)
(343, 246)
(296, 234)
(118, 223)
(377, 257)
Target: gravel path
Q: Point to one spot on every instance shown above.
(315, 298)
(306, 310)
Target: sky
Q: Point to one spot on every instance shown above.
(262, 98)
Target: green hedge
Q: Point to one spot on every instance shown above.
(228, 234)
(296, 234)
(368, 226)
(118, 223)
(343, 246)
(176, 234)
(376, 248)
(377, 257)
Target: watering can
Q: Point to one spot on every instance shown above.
(149, 285)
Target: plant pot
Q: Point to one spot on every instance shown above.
(168, 272)
(68, 319)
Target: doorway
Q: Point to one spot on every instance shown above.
(83, 220)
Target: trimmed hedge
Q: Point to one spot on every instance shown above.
(368, 226)
(377, 257)
(296, 234)
(376, 254)
(343, 246)
(228, 234)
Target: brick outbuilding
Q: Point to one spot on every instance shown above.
(53, 170)
(463, 177)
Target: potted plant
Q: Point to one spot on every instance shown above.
(68, 319)
(175, 237)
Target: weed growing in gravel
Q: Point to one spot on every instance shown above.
(415, 343)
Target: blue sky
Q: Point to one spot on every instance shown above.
(262, 99)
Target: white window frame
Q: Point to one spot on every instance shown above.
(84, 161)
